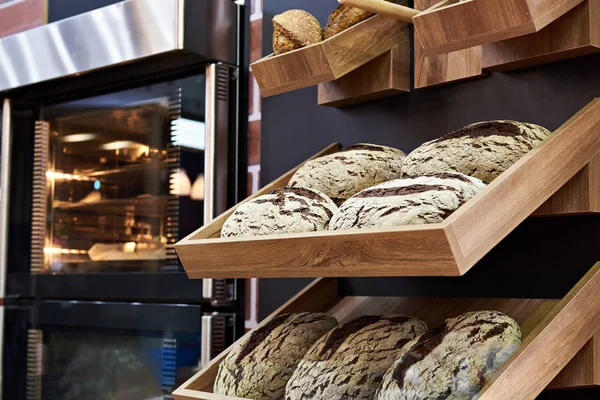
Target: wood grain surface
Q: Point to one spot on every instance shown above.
(551, 345)
(574, 34)
(450, 26)
(581, 195)
(444, 68)
(553, 331)
(330, 59)
(387, 75)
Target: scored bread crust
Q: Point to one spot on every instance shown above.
(295, 29)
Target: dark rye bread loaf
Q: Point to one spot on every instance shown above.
(285, 210)
(423, 200)
(261, 365)
(454, 361)
(483, 150)
(350, 361)
(352, 169)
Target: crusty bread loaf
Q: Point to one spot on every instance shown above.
(295, 29)
(261, 365)
(352, 169)
(350, 361)
(285, 210)
(423, 200)
(483, 150)
(454, 361)
(342, 18)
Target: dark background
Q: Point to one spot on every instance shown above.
(543, 257)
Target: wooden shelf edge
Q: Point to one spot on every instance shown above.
(575, 34)
(449, 28)
(529, 371)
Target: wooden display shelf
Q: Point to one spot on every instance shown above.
(449, 248)
(554, 332)
(330, 59)
(387, 75)
(581, 195)
(451, 25)
(574, 34)
(435, 70)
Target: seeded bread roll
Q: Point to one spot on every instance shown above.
(260, 367)
(423, 200)
(350, 361)
(453, 362)
(295, 29)
(342, 18)
(352, 169)
(285, 210)
(483, 150)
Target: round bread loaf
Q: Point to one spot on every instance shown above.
(284, 210)
(261, 365)
(295, 29)
(483, 150)
(423, 200)
(352, 169)
(453, 362)
(342, 18)
(350, 361)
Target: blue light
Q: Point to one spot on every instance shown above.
(97, 185)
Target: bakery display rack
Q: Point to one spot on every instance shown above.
(450, 248)
(555, 331)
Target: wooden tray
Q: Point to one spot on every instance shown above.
(450, 25)
(330, 59)
(575, 34)
(554, 331)
(450, 248)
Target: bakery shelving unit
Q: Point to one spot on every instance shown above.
(561, 327)
(330, 59)
(450, 248)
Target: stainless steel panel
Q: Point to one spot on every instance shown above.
(117, 34)
(111, 35)
(5, 160)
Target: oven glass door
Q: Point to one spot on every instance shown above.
(62, 350)
(113, 175)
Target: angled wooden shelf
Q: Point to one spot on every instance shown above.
(441, 69)
(450, 248)
(331, 59)
(451, 25)
(561, 327)
(385, 76)
(575, 34)
(581, 195)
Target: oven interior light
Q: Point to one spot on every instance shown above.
(118, 145)
(79, 137)
(129, 247)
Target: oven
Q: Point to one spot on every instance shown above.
(121, 135)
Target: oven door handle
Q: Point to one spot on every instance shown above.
(206, 337)
(5, 162)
